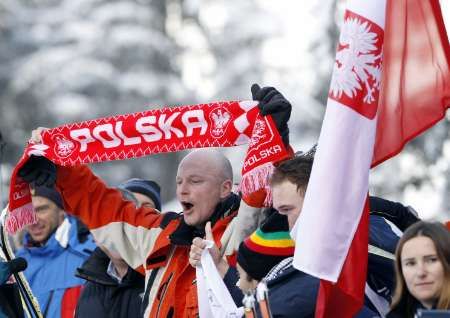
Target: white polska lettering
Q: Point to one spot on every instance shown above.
(263, 154)
(151, 129)
(17, 195)
(144, 126)
(198, 122)
(83, 136)
(105, 133)
(126, 140)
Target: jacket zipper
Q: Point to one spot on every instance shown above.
(163, 293)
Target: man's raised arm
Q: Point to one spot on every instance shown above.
(115, 223)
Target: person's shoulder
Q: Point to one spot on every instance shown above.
(293, 294)
(94, 268)
(21, 252)
(394, 314)
(86, 247)
(300, 276)
(169, 217)
(79, 238)
(290, 275)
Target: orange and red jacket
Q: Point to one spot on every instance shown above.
(142, 237)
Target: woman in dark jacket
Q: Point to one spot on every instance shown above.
(422, 270)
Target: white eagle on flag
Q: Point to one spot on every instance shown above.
(355, 64)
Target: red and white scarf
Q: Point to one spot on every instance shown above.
(219, 124)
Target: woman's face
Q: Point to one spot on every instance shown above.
(422, 269)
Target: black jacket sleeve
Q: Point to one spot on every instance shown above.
(230, 279)
(395, 212)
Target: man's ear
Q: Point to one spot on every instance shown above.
(226, 188)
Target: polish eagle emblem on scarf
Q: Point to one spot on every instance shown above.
(63, 147)
(220, 118)
(258, 132)
(357, 70)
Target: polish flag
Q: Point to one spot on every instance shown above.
(371, 113)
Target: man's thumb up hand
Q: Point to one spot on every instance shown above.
(221, 263)
(214, 250)
(208, 232)
(199, 244)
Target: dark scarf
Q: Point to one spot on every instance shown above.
(184, 234)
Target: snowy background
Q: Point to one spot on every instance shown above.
(63, 61)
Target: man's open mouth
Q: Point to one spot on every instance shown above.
(186, 205)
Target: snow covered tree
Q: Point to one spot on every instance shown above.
(69, 61)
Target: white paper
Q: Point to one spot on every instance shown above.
(214, 299)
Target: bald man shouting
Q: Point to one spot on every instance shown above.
(144, 238)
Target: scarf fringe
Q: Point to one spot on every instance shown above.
(20, 217)
(258, 179)
(268, 200)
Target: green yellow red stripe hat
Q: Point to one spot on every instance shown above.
(266, 247)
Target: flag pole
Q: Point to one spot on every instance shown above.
(249, 305)
(262, 296)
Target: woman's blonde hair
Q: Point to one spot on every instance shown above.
(403, 301)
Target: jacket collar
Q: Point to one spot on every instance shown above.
(94, 269)
(184, 234)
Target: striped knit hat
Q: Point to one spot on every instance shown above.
(266, 247)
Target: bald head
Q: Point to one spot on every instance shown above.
(204, 178)
(212, 160)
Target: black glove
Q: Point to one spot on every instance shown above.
(271, 102)
(39, 170)
(395, 212)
